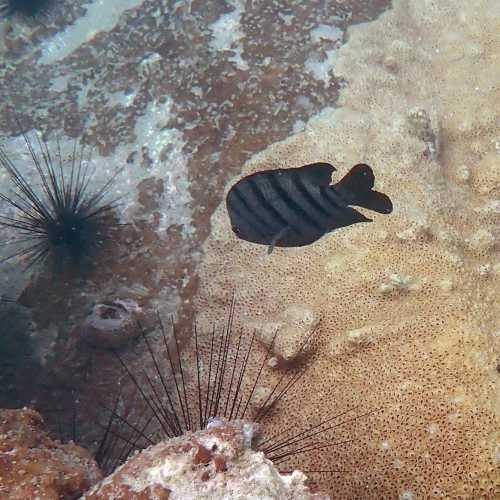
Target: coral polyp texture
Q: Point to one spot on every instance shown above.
(409, 309)
(216, 463)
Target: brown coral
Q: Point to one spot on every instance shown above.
(409, 304)
(32, 465)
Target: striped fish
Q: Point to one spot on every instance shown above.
(297, 206)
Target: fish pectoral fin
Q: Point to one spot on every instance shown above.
(276, 238)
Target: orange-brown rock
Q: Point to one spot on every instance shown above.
(33, 465)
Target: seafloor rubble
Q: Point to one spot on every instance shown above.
(408, 303)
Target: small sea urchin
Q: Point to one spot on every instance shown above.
(62, 217)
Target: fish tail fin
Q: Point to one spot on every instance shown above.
(357, 186)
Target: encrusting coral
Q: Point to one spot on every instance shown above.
(409, 303)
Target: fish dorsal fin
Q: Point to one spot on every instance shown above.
(318, 173)
(359, 179)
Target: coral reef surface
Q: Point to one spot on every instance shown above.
(178, 93)
(409, 309)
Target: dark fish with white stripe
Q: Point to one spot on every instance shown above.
(297, 206)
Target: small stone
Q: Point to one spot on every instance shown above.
(446, 285)
(273, 362)
(385, 445)
(202, 455)
(391, 63)
(462, 174)
(385, 288)
(401, 281)
(484, 270)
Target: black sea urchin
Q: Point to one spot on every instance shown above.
(62, 217)
(28, 8)
(225, 374)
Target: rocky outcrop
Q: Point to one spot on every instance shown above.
(214, 464)
(33, 465)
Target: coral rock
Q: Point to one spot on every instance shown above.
(292, 331)
(32, 465)
(112, 324)
(217, 463)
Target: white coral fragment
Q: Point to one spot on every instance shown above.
(273, 362)
(399, 282)
(421, 126)
(356, 339)
(414, 232)
(360, 336)
(446, 285)
(462, 174)
(484, 269)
